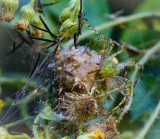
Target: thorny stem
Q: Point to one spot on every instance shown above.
(107, 25)
(149, 123)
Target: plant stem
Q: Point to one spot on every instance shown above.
(149, 123)
(46, 132)
(15, 82)
(23, 136)
(18, 122)
(145, 58)
(110, 24)
(35, 127)
(142, 61)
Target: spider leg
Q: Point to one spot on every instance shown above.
(117, 53)
(90, 43)
(108, 92)
(105, 54)
(99, 34)
(135, 64)
(118, 106)
(128, 87)
(121, 84)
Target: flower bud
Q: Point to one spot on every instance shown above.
(72, 3)
(66, 13)
(70, 26)
(26, 14)
(38, 23)
(7, 9)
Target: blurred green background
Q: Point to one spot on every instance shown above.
(142, 34)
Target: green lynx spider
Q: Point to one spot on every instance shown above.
(108, 69)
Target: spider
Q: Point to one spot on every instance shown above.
(107, 72)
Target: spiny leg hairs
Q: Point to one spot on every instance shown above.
(73, 84)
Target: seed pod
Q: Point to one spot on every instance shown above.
(70, 26)
(26, 14)
(8, 8)
(66, 13)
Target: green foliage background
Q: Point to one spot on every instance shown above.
(142, 34)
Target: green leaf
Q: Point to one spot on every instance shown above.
(140, 33)
(95, 13)
(147, 91)
(48, 114)
(145, 103)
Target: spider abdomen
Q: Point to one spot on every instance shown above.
(109, 67)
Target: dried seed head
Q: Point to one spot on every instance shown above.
(82, 78)
(7, 9)
(107, 127)
(26, 14)
(78, 107)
